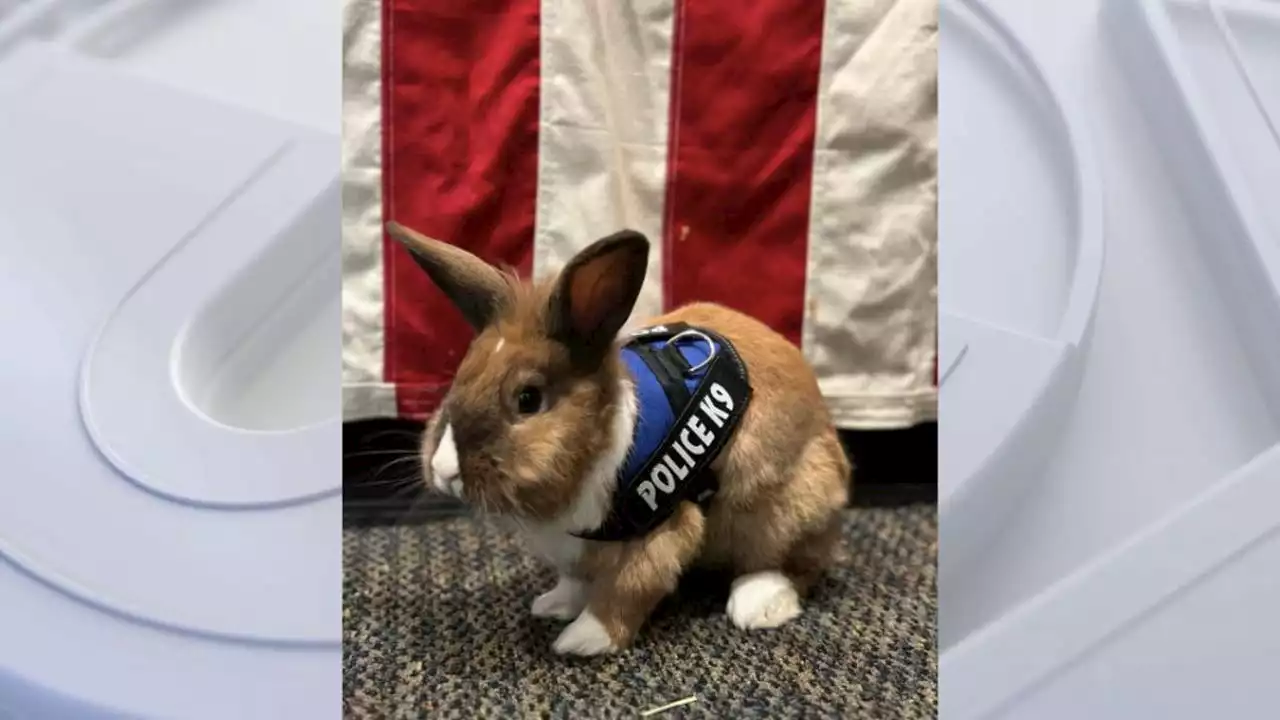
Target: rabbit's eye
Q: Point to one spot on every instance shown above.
(529, 400)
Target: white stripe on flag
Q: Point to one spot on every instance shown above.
(602, 157)
(871, 294)
(365, 394)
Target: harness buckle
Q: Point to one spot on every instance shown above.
(711, 347)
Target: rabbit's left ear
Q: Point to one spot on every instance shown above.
(475, 287)
(596, 291)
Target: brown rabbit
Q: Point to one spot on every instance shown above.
(549, 421)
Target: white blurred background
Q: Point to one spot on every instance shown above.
(230, 50)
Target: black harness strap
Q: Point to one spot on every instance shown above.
(679, 469)
(670, 373)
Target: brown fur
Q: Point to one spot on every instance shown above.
(783, 478)
(783, 474)
(535, 470)
(629, 578)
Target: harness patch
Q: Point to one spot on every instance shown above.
(692, 389)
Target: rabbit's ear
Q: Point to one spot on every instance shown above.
(475, 287)
(596, 291)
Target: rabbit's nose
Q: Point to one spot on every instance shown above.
(444, 465)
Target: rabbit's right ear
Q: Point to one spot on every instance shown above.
(475, 287)
(597, 291)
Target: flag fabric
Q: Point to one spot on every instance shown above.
(781, 155)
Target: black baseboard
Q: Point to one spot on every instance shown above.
(893, 467)
(380, 471)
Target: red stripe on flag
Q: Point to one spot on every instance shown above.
(744, 88)
(460, 149)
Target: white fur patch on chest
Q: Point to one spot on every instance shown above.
(556, 547)
(590, 509)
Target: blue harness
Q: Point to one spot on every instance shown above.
(692, 390)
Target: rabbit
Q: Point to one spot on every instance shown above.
(540, 417)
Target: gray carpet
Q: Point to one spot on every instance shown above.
(436, 625)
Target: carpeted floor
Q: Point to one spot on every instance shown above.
(437, 625)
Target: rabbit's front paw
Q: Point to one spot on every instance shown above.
(565, 601)
(585, 636)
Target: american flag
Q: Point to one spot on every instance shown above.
(781, 155)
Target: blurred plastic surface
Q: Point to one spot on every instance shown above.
(1023, 332)
(1133, 581)
(235, 51)
(169, 514)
